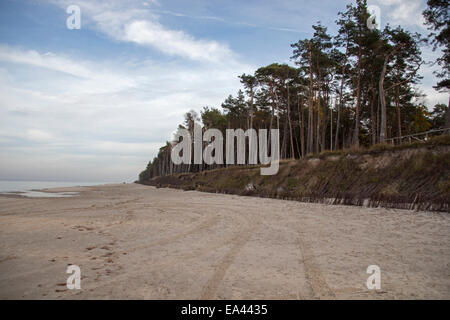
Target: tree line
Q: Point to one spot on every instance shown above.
(354, 89)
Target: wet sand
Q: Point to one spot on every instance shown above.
(138, 242)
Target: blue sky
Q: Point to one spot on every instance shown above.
(96, 104)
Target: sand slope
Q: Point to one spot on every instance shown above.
(138, 242)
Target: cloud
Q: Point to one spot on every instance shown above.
(409, 12)
(402, 12)
(136, 22)
(87, 77)
(230, 22)
(433, 97)
(46, 60)
(39, 135)
(174, 42)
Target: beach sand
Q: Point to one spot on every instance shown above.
(138, 242)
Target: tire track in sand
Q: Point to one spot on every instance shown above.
(201, 226)
(210, 289)
(314, 275)
(204, 250)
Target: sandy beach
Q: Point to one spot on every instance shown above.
(138, 242)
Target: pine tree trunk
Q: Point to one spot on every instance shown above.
(331, 129)
(319, 118)
(341, 93)
(382, 94)
(324, 123)
(290, 124)
(358, 102)
(302, 127)
(310, 107)
(383, 102)
(372, 117)
(399, 120)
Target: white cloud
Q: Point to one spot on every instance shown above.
(92, 78)
(46, 60)
(39, 135)
(139, 25)
(175, 42)
(401, 12)
(433, 97)
(408, 13)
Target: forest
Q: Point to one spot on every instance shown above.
(349, 90)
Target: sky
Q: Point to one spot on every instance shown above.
(96, 103)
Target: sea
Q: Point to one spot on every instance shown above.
(31, 188)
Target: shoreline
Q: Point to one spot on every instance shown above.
(52, 191)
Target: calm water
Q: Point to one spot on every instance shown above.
(27, 188)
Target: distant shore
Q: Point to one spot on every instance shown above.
(39, 188)
(138, 242)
